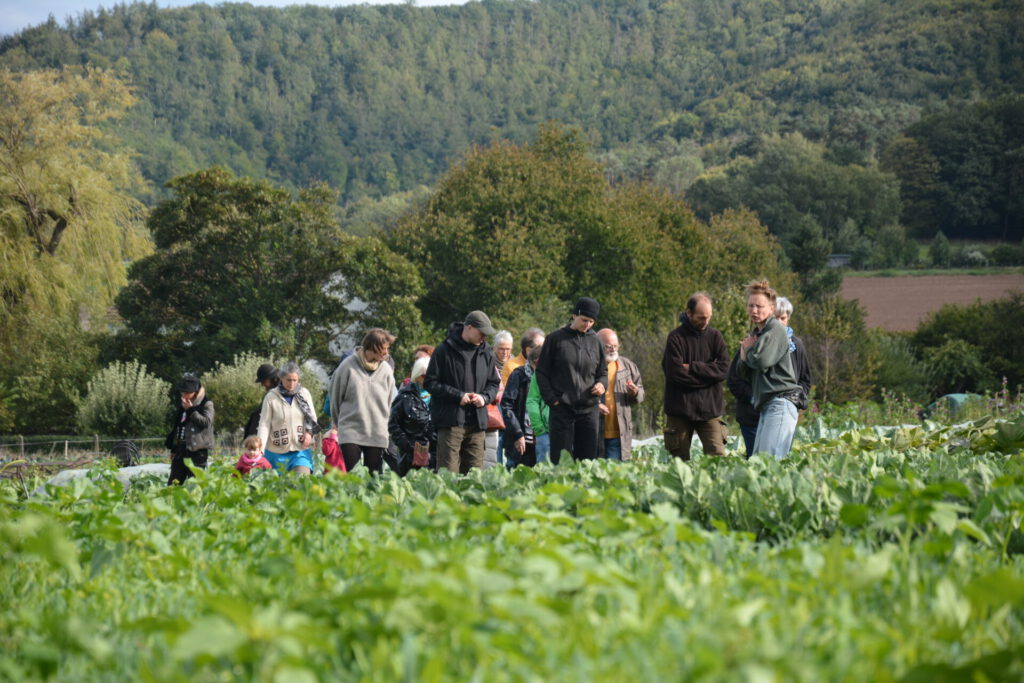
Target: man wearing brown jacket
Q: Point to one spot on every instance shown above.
(695, 363)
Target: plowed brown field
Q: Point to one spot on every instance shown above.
(900, 303)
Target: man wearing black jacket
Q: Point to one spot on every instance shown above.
(572, 376)
(462, 379)
(695, 363)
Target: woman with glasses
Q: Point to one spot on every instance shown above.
(361, 392)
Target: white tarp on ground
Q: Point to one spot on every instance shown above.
(124, 475)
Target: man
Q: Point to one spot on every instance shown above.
(462, 378)
(572, 376)
(534, 336)
(625, 389)
(695, 363)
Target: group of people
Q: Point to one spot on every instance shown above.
(469, 405)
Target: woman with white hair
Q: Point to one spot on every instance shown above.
(410, 426)
(784, 313)
(288, 423)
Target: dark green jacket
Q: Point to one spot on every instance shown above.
(769, 365)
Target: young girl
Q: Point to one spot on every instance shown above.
(252, 458)
(333, 458)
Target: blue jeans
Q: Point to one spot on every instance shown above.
(776, 427)
(613, 449)
(542, 447)
(749, 433)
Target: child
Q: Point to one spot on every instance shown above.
(252, 458)
(332, 453)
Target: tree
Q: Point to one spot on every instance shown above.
(67, 226)
(245, 266)
(513, 226)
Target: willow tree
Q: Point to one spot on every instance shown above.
(68, 223)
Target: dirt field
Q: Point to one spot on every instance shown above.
(900, 303)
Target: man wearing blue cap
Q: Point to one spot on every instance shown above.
(572, 375)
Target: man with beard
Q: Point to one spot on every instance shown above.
(625, 390)
(695, 363)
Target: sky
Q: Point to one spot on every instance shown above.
(16, 15)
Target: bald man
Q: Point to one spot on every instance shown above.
(695, 363)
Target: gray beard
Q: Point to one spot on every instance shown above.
(610, 357)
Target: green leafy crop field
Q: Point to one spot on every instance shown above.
(871, 554)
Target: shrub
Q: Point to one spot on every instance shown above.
(899, 369)
(124, 399)
(1007, 255)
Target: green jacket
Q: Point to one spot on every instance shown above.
(769, 365)
(537, 410)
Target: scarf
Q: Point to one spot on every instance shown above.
(369, 366)
(789, 336)
(308, 416)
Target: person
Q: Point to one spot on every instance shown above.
(288, 423)
(766, 361)
(784, 313)
(626, 389)
(334, 459)
(746, 416)
(421, 351)
(411, 429)
(361, 392)
(520, 440)
(695, 363)
(191, 435)
(251, 457)
(266, 375)
(502, 351)
(533, 336)
(462, 379)
(538, 411)
(572, 376)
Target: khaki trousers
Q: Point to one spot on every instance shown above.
(679, 433)
(459, 449)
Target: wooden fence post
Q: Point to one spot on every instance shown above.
(21, 443)
(65, 449)
(96, 442)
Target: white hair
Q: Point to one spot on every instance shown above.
(783, 306)
(288, 369)
(502, 336)
(419, 368)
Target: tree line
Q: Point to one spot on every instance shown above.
(375, 101)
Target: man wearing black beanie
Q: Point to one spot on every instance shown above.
(572, 375)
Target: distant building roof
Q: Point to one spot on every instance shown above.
(838, 260)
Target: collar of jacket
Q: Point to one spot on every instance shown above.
(685, 323)
(767, 323)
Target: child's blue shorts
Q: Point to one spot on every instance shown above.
(290, 460)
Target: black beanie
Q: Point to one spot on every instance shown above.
(189, 384)
(588, 307)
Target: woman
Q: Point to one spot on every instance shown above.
(746, 416)
(784, 312)
(520, 445)
(494, 439)
(288, 423)
(361, 392)
(765, 359)
(410, 426)
(192, 430)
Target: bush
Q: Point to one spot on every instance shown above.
(957, 367)
(124, 399)
(899, 369)
(1007, 255)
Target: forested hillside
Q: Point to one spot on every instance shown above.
(377, 100)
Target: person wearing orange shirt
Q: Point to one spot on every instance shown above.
(626, 389)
